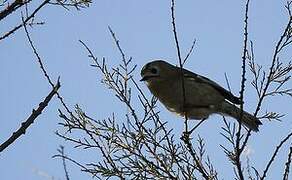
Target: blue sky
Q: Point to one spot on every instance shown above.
(145, 33)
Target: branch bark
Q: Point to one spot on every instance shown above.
(12, 7)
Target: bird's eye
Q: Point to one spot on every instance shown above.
(153, 70)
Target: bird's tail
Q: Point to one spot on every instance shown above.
(247, 119)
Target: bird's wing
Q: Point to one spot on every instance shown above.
(201, 79)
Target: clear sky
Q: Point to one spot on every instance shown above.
(145, 33)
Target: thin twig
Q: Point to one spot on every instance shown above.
(71, 160)
(42, 67)
(227, 82)
(180, 62)
(179, 58)
(61, 150)
(190, 52)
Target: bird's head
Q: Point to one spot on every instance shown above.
(157, 71)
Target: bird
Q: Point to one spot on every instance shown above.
(202, 98)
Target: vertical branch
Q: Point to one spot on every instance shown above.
(186, 137)
(180, 60)
(62, 153)
(238, 150)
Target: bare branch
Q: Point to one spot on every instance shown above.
(190, 52)
(77, 4)
(186, 135)
(12, 7)
(287, 165)
(274, 155)
(25, 21)
(180, 59)
(267, 79)
(62, 155)
(238, 149)
(39, 60)
(83, 168)
(277, 50)
(30, 120)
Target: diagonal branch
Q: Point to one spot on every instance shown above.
(12, 7)
(30, 119)
(25, 21)
(287, 164)
(42, 67)
(274, 155)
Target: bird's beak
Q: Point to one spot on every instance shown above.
(148, 76)
(144, 78)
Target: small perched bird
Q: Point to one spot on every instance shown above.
(203, 96)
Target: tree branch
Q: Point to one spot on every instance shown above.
(25, 21)
(186, 135)
(238, 150)
(12, 7)
(42, 67)
(30, 119)
(287, 165)
(278, 48)
(274, 155)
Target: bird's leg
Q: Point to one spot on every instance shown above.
(194, 128)
(187, 133)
